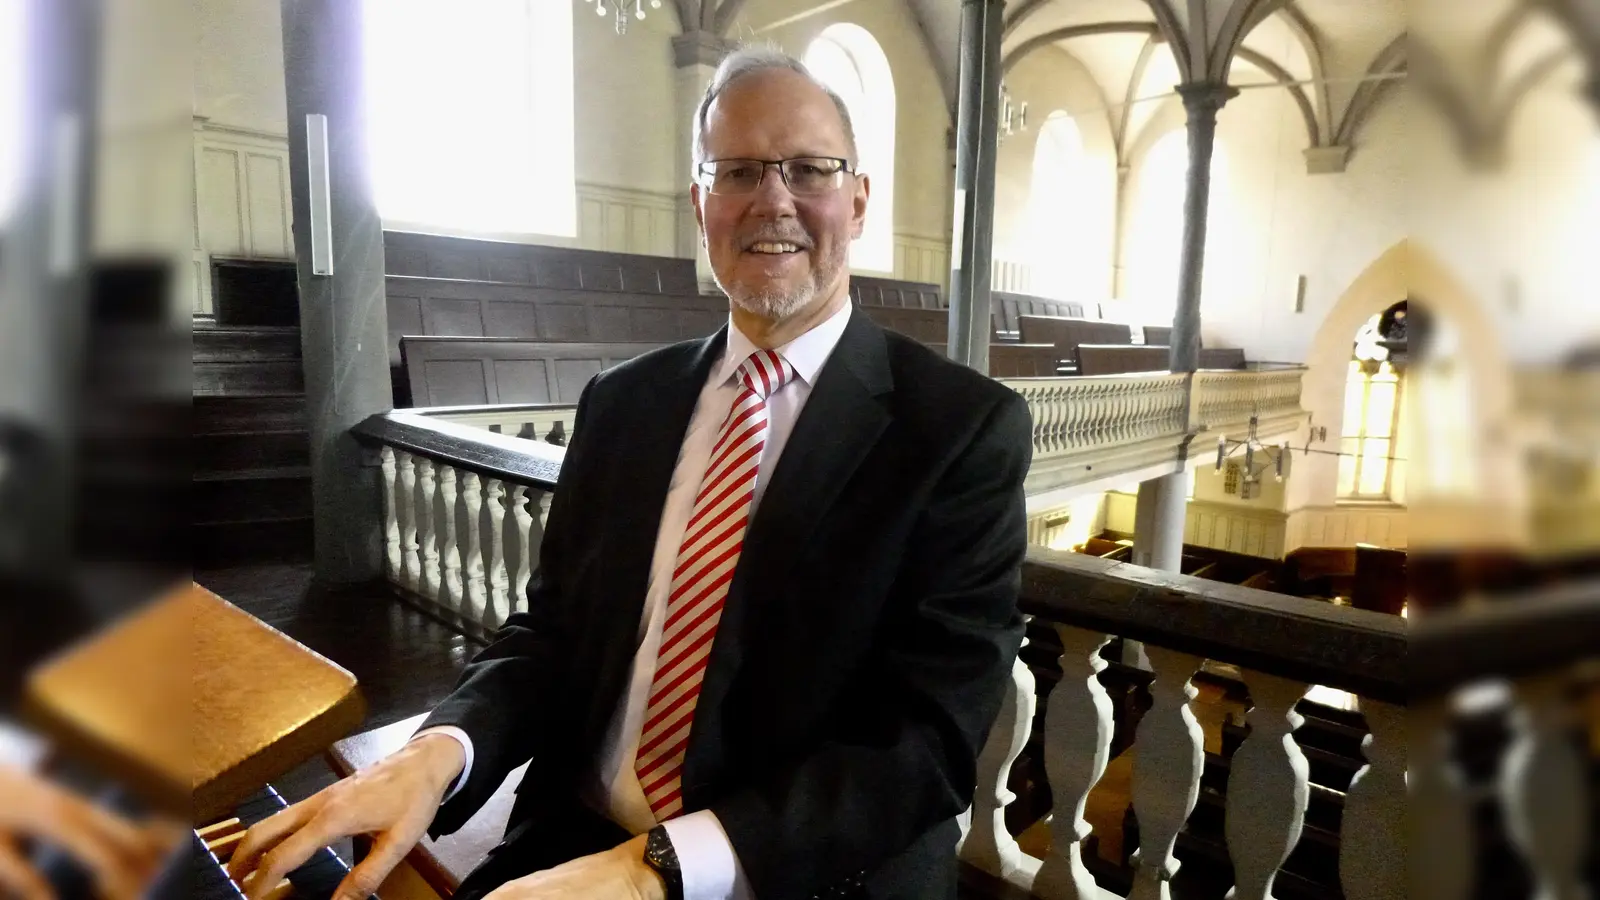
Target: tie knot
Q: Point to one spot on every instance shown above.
(764, 372)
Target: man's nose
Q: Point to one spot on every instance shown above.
(772, 196)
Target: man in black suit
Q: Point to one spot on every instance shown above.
(776, 605)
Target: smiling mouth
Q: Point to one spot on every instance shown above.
(773, 248)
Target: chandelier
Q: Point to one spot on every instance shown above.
(1258, 458)
(623, 10)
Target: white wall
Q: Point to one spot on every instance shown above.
(626, 131)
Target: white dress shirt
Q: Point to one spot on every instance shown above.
(711, 871)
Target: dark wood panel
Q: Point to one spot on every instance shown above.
(889, 292)
(1118, 359)
(1016, 360)
(1158, 335)
(458, 371)
(437, 256)
(1068, 334)
(444, 307)
(1221, 358)
(1009, 308)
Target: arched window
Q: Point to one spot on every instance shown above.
(470, 114)
(848, 59)
(1155, 237)
(1371, 419)
(12, 60)
(1059, 233)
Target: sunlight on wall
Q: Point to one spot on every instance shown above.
(1060, 232)
(471, 115)
(848, 59)
(11, 100)
(1155, 237)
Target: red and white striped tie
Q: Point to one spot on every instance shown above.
(710, 550)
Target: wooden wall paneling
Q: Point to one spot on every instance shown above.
(443, 371)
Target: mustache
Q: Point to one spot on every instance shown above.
(776, 235)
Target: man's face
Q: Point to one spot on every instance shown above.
(778, 114)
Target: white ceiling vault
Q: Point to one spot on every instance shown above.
(1336, 59)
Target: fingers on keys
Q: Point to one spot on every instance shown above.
(17, 877)
(263, 847)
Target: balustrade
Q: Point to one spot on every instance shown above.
(464, 512)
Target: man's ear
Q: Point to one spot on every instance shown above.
(699, 214)
(858, 212)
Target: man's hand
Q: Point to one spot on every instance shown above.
(393, 800)
(617, 874)
(121, 857)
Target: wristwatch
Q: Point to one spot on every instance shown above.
(659, 855)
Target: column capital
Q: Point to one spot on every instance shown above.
(700, 48)
(1207, 96)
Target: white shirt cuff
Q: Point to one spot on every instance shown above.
(466, 745)
(711, 870)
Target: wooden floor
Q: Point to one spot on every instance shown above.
(404, 661)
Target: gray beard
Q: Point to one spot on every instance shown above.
(776, 304)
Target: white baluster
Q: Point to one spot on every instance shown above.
(1078, 725)
(452, 589)
(987, 844)
(1440, 836)
(1543, 783)
(521, 495)
(427, 536)
(411, 563)
(1268, 787)
(392, 562)
(477, 604)
(499, 577)
(1168, 755)
(1372, 838)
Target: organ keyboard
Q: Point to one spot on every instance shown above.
(215, 843)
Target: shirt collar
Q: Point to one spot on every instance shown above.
(806, 353)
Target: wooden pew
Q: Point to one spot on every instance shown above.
(1068, 334)
(1158, 335)
(437, 256)
(1221, 358)
(1016, 360)
(889, 292)
(1104, 359)
(464, 371)
(454, 308)
(1009, 308)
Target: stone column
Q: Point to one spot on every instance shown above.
(343, 321)
(977, 144)
(1202, 102)
(696, 54)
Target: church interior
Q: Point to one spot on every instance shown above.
(1308, 566)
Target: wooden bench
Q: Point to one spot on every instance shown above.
(459, 371)
(440, 307)
(444, 862)
(1120, 359)
(889, 292)
(929, 326)
(1009, 308)
(1016, 360)
(437, 256)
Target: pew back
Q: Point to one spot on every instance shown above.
(889, 292)
(437, 256)
(457, 371)
(1009, 308)
(453, 308)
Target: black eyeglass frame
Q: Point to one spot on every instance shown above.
(706, 178)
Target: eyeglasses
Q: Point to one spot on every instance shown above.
(805, 176)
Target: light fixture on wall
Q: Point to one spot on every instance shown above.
(1257, 459)
(623, 10)
(1013, 115)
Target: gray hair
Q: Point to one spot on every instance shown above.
(748, 61)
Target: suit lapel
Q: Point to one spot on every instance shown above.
(841, 422)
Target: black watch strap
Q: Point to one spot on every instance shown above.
(659, 855)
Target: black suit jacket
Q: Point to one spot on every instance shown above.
(865, 644)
